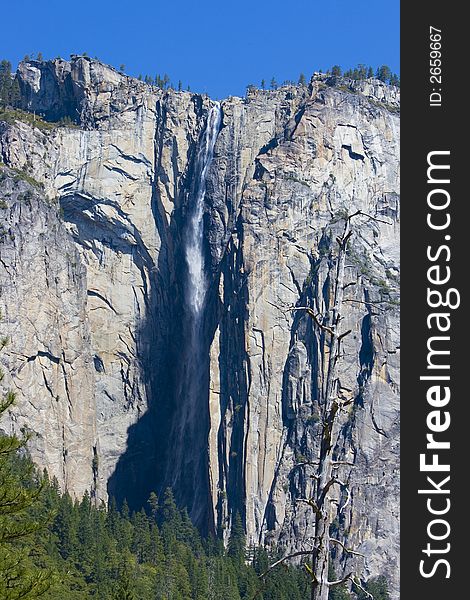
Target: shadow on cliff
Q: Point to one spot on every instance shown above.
(167, 446)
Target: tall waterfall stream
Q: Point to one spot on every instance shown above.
(197, 284)
(192, 394)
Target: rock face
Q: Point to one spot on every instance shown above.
(95, 300)
(49, 364)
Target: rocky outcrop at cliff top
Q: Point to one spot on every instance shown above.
(95, 299)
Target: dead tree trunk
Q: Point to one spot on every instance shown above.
(330, 407)
(329, 410)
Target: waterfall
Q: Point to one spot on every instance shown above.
(197, 283)
(188, 470)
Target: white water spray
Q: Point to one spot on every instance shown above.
(197, 286)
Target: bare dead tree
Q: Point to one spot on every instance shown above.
(326, 476)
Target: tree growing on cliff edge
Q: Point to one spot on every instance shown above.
(383, 73)
(5, 82)
(9, 86)
(331, 403)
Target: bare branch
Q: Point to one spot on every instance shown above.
(358, 212)
(326, 489)
(307, 463)
(340, 581)
(311, 572)
(311, 502)
(374, 303)
(323, 327)
(348, 550)
(343, 241)
(366, 302)
(340, 337)
(288, 557)
(355, 581)
(336, 463)
(315, 318)
(347, 500)
(372, 218)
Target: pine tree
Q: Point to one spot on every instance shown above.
(301, 79)
(15, 93)
(273, 84)
(112, 517)
(5, 82)
(383, 73)
(85, 552)
(188, 533)
(153, 505)
(141, 544)
(125, 583)
(124, 527)
(170, 519)
(237, 541)
(65, 527)
(361, 71)
(157, 555)
(336, 71)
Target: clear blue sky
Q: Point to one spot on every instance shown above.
(216, 47)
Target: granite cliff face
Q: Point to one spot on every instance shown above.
(94, 288)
